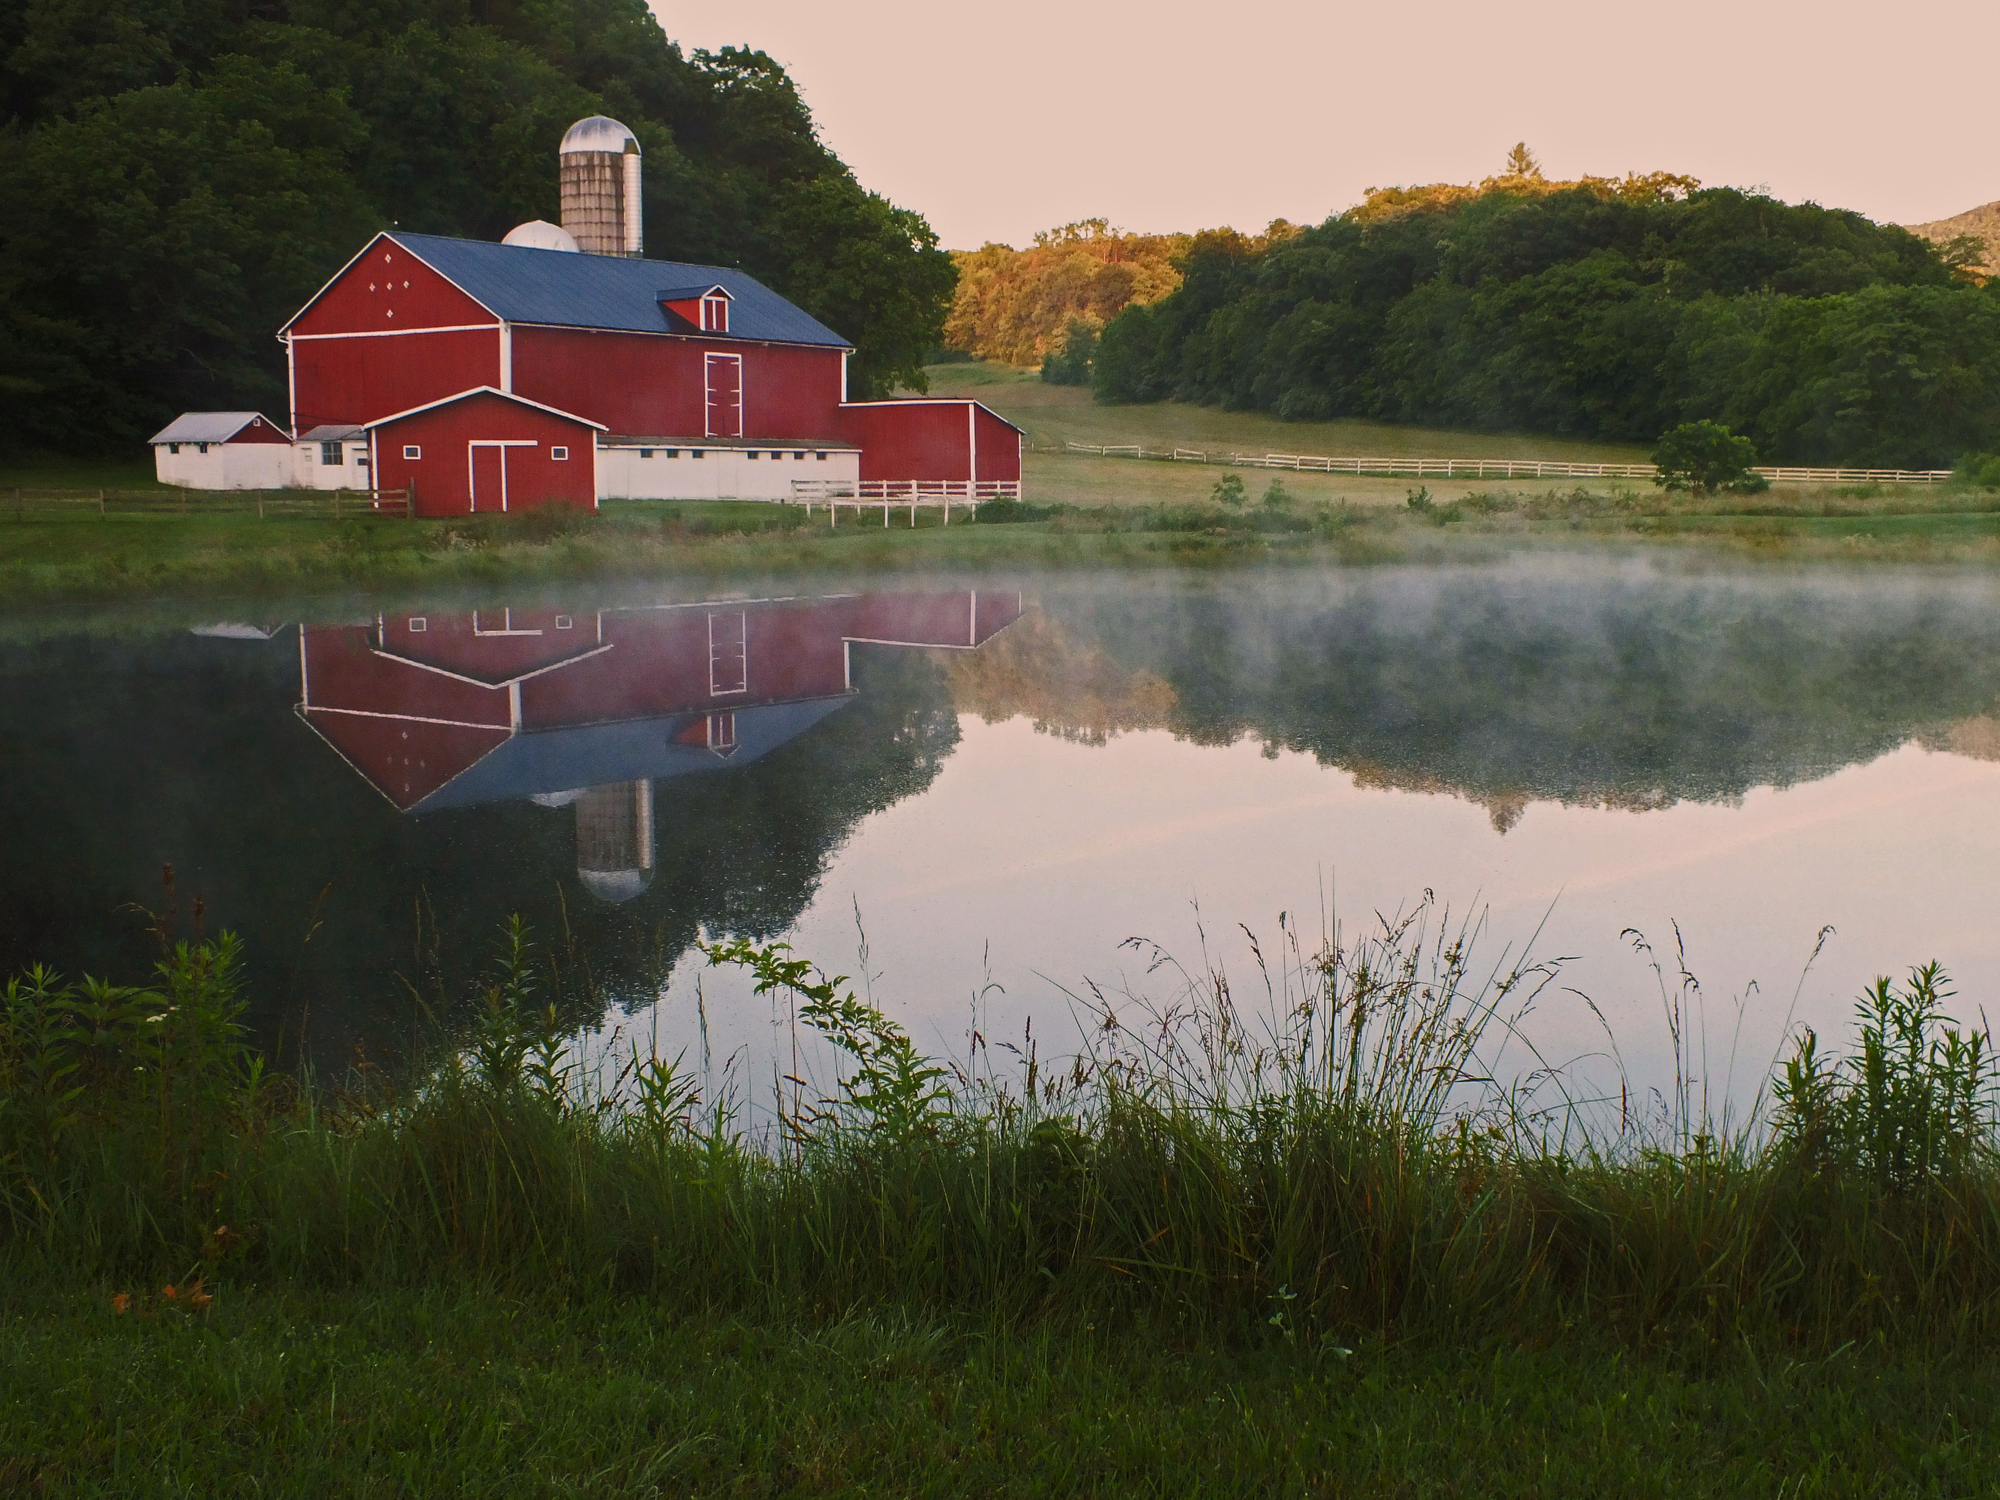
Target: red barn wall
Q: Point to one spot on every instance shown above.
(445, 433)
(356, 380)
(930, 440)
(653, 385)
(260, 431)
(999, 447)
(387, 288)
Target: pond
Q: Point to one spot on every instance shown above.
(968, 792)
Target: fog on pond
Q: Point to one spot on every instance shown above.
(998, 782)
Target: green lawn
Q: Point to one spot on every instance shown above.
(431, 1393)
(1055, 414)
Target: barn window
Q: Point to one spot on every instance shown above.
(418, 624)
(563, 622)
(820, 456)
(173, 447)
(558, 454)
(412, 452)
(332, 453)
(700, 453)
(715, 315)
(645, 453)
(201, 447)
(797, 456)
(673, 453)
(755, 454)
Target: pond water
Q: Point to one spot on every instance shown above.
(998, 780)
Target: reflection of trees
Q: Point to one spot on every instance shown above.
(1580, 682)
(123, 755)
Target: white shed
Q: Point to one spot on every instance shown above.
(223, 450)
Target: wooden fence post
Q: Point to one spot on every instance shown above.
(100, 502)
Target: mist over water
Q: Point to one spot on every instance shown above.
(1576, 746)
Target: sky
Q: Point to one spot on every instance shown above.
(995, 122)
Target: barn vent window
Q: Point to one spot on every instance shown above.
(820, 456)
(201, 447)
(419, 624)
(332, 453)
(173, 447)
(559, 454)
(796, 457)
(563, 622)
(645, 453)
(755, 454)
(412, 452)
(673, 453)
(715, 315)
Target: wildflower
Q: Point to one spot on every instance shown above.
(168, 1292)
(121, 1303)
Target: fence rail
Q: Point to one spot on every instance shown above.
(1486, 468)
(896, 493)
(24, 500)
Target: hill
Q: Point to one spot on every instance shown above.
(1982, 224)
(176, 179)
(1601, 308)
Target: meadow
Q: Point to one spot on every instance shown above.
(1305, 1243)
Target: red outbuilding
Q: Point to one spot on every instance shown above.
(484, 450)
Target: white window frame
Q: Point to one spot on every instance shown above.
(332, 455)
(559, 453)
(714, 314)
(413, 452)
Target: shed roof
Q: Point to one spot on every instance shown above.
(207, 426)
(486, 390)
(332, 432)
(570, 289)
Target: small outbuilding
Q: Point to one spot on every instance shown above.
(486, 450)
(223, 450)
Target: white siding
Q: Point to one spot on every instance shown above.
(719, 474)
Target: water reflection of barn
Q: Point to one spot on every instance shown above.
(590, 708)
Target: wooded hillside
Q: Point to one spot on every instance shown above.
(176, 178)
(1603, 308)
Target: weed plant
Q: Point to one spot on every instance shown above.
(1339, 1160)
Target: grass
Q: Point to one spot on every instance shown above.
(459, 1390)
(1055, 414)
(1207, 1253)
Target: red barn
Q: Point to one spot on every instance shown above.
(702, 370)
(484, 450)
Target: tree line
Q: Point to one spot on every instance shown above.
(1600, 309)
(178, 176)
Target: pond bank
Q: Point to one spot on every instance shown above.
(54, 558)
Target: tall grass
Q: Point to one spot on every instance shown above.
(1342, 1155)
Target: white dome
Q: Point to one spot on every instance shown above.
(615, 885)
(598, 133)
(540, 234)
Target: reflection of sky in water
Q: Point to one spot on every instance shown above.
(1598, 742)
(1097, 844)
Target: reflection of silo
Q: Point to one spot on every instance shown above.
(614, 839)
(599, 178)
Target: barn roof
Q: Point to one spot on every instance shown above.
(570, 289)
(207, 426)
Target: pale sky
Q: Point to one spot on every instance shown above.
(996, 121)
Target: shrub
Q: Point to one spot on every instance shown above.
(1980, 470)
(1228, 490)
(1277, 496)
(1705, 457)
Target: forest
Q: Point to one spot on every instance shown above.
(178, 176)
(1599, 309)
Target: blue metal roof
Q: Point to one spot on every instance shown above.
(570, 289)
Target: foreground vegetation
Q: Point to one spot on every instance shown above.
(1206, 1253)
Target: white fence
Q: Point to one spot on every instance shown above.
(1489, 468)
(896, 493)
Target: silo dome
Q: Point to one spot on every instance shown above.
(540, 234)
(615, 885)
(598, 133)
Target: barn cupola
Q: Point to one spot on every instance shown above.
(702, 309)
(599, 171)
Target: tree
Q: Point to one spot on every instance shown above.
(1070, 365)
(1521, 162)
(1705, 457)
